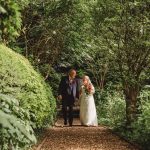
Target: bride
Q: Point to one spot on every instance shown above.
(88, 116)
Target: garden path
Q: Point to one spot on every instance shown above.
(79, 137)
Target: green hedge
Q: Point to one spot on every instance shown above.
(18, 78)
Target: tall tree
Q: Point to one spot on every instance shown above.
(124, 26)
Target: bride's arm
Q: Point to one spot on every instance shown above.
(92, 91)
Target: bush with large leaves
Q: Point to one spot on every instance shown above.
(18, 78)
(10, 23)
(15, 128)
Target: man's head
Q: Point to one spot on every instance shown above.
(72, 73)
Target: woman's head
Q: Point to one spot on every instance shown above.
(86, 80)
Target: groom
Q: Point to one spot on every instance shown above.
(68, 93)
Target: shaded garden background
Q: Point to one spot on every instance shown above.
(105, 39)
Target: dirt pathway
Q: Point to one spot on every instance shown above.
(81, 138)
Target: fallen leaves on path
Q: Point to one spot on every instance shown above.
(81, 138)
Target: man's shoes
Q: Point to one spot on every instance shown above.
(65, 122)
(70, 125)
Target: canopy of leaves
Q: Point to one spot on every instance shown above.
(59, 31)
(124, 28)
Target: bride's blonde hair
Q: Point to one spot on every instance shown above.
(89, 82)
(88, 78)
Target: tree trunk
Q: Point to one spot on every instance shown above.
(131, 94)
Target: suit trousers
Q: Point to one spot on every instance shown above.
(67, 110)
(68, 114)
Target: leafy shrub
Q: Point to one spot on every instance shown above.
(18, 78)
(111, 111)
(11, 20)
(15, 129)
(110, 108)
(142, 125)
(10, 14)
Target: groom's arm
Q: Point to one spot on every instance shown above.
(60, 88)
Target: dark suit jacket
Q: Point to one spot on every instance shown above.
(69, 92)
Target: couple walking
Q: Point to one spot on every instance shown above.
(69, 92)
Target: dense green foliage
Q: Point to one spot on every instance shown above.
(141, 127)
(110, 108)
(126, 27)
(111, 112)
(20, 80)
(59, 31)
(142, 124)
(10, 22)
(106, 39)
(124, 61)
(15, 126)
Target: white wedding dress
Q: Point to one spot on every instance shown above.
(88, 114)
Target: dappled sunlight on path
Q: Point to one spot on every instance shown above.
(81, 138)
